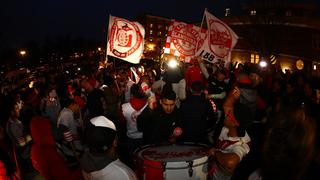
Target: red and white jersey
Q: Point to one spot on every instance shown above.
(238, 145)
(131, 115)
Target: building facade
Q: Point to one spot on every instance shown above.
(278, 32)
(156, 29)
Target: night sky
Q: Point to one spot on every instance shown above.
(22, 21)
(35, 19)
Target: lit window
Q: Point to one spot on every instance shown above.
(253, 12)
(151, 25)
(255, 58)
(252, 58)
(151, 32)
(150, 39)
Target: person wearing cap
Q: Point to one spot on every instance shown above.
(233, 142)
(100, 160)
(161, 124)
(198, 115)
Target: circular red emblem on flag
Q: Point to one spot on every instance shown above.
(185, 38)
(125, 38)
(220, 39)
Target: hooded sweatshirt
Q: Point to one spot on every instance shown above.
(44, 155)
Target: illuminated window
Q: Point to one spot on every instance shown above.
(252, 58)
(150, 39)
(255, 58)
(151, 32)
(151, 25)
(253, 12)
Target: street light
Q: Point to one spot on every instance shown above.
(263, 64)
(173, 63)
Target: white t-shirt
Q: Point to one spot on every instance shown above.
(115, 170)
(131, 116)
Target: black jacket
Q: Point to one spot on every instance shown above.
(156, 125)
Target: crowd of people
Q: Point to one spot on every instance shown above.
(257, 123)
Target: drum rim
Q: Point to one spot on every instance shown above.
(164, 144)
(177, 168)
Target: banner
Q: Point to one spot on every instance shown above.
(184, 40)
(219, 41)
(125, 39)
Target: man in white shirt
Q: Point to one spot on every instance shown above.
(100, 161)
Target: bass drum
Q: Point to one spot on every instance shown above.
(172, 162)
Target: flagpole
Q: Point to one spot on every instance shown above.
(107, 40)
(204, 14)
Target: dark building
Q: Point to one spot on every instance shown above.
(156, 33)
(280, 32)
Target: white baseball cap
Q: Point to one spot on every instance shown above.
(101, 121)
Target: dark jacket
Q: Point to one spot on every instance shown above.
(156, 125)
(197, 117)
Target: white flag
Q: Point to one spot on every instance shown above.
(184, 40)
(125, 39)
(219, 42)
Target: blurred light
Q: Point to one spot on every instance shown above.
(172, 63)
(23, 52)
(299, 64)
(139, 69)
(67, 72)
(31, 84)
(79, 69)
(263, 64)
(151, 46)
(284, 68)
(99, 48)
(314, 67)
